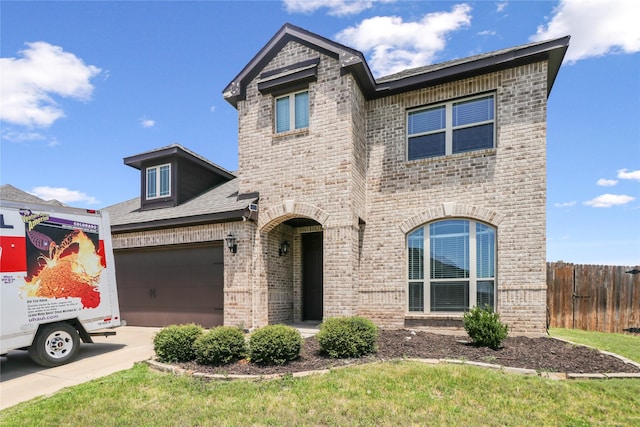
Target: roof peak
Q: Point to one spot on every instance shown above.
(353, 61)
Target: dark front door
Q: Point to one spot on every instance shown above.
(312, 276)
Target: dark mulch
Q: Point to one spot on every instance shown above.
(543, 354)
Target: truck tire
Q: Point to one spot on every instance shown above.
(55, 344)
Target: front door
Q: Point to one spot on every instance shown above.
(312, 276)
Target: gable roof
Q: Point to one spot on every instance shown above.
(220, 204)
(177, 150)
(235, 90)
(353, 61)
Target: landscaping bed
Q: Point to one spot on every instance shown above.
(542, 354)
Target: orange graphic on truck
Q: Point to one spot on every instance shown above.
(69, 269)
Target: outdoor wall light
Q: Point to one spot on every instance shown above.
(231, 243)
(284, 248)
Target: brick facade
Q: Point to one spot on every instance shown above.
(348, 172)
(347, 176)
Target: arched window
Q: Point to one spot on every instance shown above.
(451, 266)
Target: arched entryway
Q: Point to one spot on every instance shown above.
(295, 278)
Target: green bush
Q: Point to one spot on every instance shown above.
(484, 327)
(275, 345)
(220, 345)
(174, 343)
(342, 337)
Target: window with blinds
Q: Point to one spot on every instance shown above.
(460, 255)
(292, 112)
(450, 128)
(158, 181)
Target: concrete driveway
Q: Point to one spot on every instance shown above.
(22, 380)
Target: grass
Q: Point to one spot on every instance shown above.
(622, 344)
(384, 394)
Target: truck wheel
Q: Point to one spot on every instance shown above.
(55, 344)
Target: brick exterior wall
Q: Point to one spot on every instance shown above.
(297, 176)
(348, 172)
(504, 187)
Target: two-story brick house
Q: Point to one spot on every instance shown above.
(405, 199)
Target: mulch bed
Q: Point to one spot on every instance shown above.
(542, 354)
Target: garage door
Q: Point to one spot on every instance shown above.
(171, 285)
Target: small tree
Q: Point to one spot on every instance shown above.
(484, 327)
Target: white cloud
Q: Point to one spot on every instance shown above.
(565, 204)
(336, 7)
(13, 136)
(29, 83)
(500, 7)
(63, 195)
(623, 174)
(147, 123)
(394, 45)
(487, 33)
(8, 134)
(596, 27)
(606, 182)
(609, 200)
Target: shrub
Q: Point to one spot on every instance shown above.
(342, 337)
(174, 343)
(484, 327)
(275, 344)
(220, 345)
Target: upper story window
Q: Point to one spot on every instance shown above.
(158, 181)
(451, 266)
(452, 127)
(292, 112)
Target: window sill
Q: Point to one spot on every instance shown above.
(439, 315)
(487, 152)
(442, 320)
(291, 133)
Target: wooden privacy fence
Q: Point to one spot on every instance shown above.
(593, 297)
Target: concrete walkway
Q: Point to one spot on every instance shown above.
(22, 380)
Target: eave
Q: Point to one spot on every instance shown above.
(212, 218)
(176, 151)
(353, 62)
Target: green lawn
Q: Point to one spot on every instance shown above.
(622, 344)
(384, 394)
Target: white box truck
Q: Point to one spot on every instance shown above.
(58, 280)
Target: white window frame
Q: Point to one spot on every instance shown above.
(292, 111)
(473, 278)
(449, 128)
(158, 194)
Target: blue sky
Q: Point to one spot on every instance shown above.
(85, 84)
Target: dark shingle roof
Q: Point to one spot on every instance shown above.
(9, 192)
(220, 204)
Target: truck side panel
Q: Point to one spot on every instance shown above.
(56, 264)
